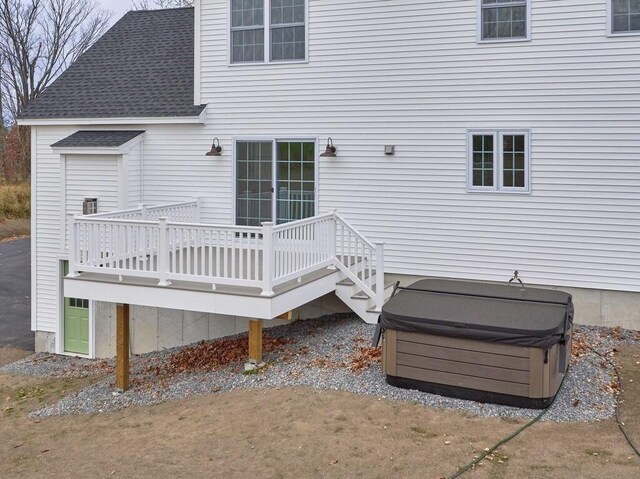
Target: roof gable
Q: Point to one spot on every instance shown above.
(142, 67)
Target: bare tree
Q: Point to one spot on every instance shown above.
(146, 4)
(39, 39)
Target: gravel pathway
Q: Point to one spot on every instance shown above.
(319, 356)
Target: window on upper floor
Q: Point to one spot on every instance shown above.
(504, 19)
(285, 39)
(625, 16)
(498, 161)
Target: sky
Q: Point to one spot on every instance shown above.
(118, 7)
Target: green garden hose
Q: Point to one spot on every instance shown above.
(486, 452)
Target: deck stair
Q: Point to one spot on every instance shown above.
(359, 302)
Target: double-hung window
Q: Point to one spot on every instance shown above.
(264, 31)
(625, 16)
(498, 161)
(504, 19)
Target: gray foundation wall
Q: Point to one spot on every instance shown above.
(154, 329)
(45, 342)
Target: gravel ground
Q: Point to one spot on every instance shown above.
(319, 356)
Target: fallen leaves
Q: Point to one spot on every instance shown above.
(364, 358)
(210, 355)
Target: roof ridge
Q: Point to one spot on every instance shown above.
(151, 10)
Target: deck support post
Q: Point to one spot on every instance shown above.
(122, 347)
(255, 341)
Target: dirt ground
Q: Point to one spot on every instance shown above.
(297, 433)
(11, 229)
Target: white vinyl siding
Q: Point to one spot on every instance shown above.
(133, 170)
(411, 74)
(91, 177)
(47, 206)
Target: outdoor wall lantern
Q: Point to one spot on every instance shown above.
(216, 149)
(389, 149)
(330, 152)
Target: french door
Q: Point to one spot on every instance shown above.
(275, 181)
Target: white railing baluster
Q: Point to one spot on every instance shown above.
(163, 253)
(267, 259)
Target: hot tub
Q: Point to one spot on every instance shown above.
(486, 342)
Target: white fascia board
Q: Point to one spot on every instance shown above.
(106, 150)
(197, 61)
(174, 120)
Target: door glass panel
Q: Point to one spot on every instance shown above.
(253, 183)
(296, 181)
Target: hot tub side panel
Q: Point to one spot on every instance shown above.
(477, 370)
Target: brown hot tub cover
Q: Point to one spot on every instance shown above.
(497, 313)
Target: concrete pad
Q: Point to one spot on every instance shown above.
(144, 329)
(169, 328)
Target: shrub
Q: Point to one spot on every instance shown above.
(15, 201)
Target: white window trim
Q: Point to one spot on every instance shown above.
(274, 140)
(267, 39)
(527, 38)
(610, 32)
(498, 179)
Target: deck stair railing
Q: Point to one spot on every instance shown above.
(360, 260)
(168, 243)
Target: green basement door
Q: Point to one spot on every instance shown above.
(76, 323)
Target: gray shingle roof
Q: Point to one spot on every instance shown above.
(142, 67)
(97, 139)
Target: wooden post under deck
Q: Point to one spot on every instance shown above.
(122, 346)
(255, 341)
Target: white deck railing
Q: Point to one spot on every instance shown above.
(186, 211)
(167, 243)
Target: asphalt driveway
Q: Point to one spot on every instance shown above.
(15, 294)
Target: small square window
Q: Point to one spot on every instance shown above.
(498, 161)
(90, 206)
